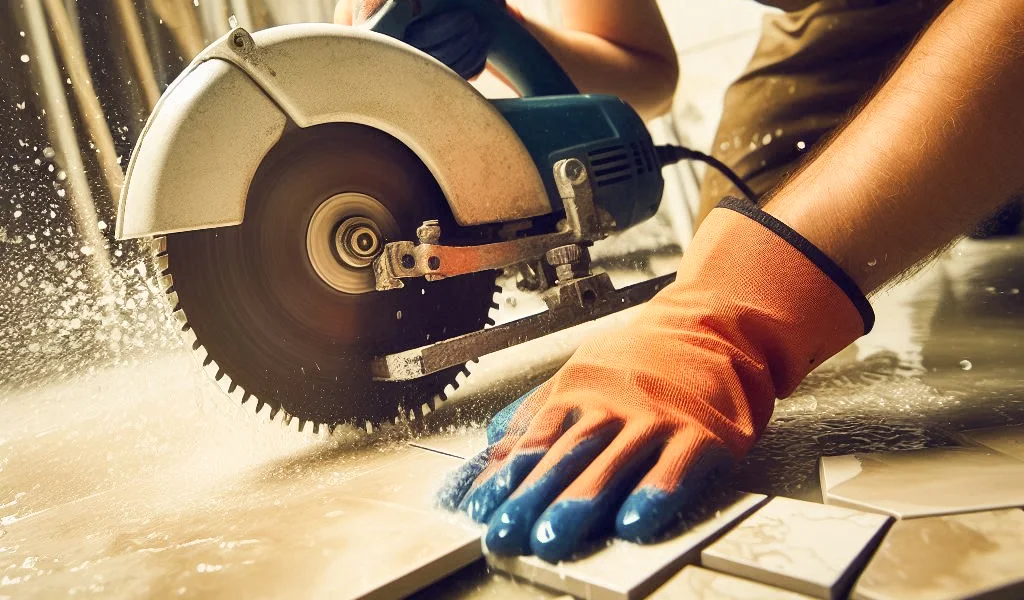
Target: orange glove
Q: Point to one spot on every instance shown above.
(629, 432)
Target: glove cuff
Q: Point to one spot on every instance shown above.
(828, 266)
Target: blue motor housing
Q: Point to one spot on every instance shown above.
(607, 135)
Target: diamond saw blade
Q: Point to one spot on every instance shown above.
(283, 304)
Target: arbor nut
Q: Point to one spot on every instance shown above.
(564, 255)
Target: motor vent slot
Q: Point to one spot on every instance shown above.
(610, 165)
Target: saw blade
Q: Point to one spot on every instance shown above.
(279, 330)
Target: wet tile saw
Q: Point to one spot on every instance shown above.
(331, 208)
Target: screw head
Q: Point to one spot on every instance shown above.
(575, 171)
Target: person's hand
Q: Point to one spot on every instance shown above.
(456, 37)
(630, 432)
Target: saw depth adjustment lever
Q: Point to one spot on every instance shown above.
(578, 295)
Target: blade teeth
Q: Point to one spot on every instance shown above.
(245, 398)
(158, 245)
(166, 283)
(259, 406)
(495, 305)
(425, 409)
(331, 427)
(172, 299)
(274, 410)
(189, 336)
(162, 264)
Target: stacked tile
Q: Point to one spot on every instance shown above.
(975, 555)
(695, 582)
(625, 571)
(804, 547)
(919, 483)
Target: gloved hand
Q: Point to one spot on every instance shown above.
(628, 434)
(456, 37)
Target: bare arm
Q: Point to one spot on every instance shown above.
(606, 46)
(615, 47)
(938, 148)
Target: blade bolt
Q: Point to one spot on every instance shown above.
(429, 232)
(574, 171)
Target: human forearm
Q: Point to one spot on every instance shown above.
(646, 78)
(939, 147)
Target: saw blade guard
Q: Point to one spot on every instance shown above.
(208, 134)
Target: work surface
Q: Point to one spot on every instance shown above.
(145, 481)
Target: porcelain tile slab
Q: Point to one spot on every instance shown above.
(626, 570)
(1008, 440)
(957, 556)
(919, 483)
(695, 582)
(801, 546)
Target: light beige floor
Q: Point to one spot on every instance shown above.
(143, 480)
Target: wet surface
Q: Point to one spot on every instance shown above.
(144, 479)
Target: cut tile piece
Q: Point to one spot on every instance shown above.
(976, 555)
(421, 548)
(463, 444)
(921, 483)
(626, 570)
(800, 546)
(1008, 440)
(695, 582)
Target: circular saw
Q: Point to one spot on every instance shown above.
(331, 207)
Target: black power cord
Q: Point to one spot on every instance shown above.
(670, 154)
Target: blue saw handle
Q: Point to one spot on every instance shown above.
(517, 54)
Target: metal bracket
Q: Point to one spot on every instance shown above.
(572, 303)
(426, 258)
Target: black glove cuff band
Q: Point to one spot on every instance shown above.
(816, 256)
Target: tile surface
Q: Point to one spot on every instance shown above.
(801, 546)
(1008, 440)
(625, 570)
(462, 444)
(957, 556)
(695, 582)
(918, 483)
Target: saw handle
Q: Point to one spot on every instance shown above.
(515, 52)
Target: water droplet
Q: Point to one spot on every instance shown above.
(48, 152)
(17, 214)
(966, 365)
(767, 139)
(801, 145)
(872, 262)
(24, 58)
(398, 315)
(102, 225)
(990, 289)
